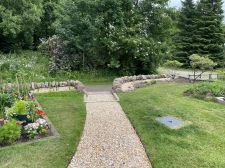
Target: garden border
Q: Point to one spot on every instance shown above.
(52, 128)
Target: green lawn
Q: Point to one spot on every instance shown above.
(200, 143)
(66, 110)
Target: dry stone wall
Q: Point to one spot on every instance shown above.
(118, 82)
(76, 84)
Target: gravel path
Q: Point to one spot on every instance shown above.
(108, 139)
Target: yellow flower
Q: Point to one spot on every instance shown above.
(15, 95)
(28, 116)
(27, 97)
(17, 92)
(44, 130)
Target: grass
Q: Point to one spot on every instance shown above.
(200, 143)
(66, 110)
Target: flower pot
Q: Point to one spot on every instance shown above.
(22, 117)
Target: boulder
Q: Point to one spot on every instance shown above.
(131, 89)
(32, 85)
(80, 88)
(38, 85)
(126, 78)
(46, 84)
(134, 78)
(143, 77)
(123, 79)
(118, 90)
(156, 76)
(72, 83)
(56, 84)
(53, 84)
(42, 85)
(64, 83)
(119, 80)
(116, 85)
(77, 83)
(139, 77)
(68, 83)
(60, 84)
(209, 95)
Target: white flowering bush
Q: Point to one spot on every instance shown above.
(38, 127)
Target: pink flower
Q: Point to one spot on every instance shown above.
(2, 119)
(19, 122)
(5, 121)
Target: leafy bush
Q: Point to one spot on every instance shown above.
(10, 131)
(153, 81)
(6, 100)
(217, 88)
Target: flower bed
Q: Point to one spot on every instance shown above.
(23, 121)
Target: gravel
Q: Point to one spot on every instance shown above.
(108, 139)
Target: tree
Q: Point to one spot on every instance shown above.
(17, 22)
(200, 63)
(172, 66)
(183, 39)
(209, 36)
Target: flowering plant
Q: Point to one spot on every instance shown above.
(38, 127)
(36, 112)
(10, 131)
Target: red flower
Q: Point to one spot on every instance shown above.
(40, 104)
(37, 112)
(40, 111)
(41, 114)
(44, 113)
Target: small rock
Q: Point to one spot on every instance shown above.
(53, 84)
(42, 85)
(38, 85)
(64, 83)
(56, 84)
(131, 89)
(32, 85)
(143, 77)
(209, 95)
(80, 88)
(118, 90)
(46, 84)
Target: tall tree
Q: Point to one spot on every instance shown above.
(183, 39)
(209, 36)
(18, 18)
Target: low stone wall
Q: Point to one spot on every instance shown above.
(118, 82)
(76, 84)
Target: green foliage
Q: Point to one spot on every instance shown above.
(209, 35)
(172, 65)
(221, 74)
(201, 63)
(19, 107)
(139, 86)
(18, 20)
(9, 132)
(217, 88)
(153, 81)
(183, 39)
(6, 100)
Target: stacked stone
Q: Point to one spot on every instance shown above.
(117, 83)
(77, 85)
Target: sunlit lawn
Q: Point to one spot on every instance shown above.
(66, 110)
(200, 143)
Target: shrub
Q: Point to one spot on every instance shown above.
(10, 131)
(153, 81)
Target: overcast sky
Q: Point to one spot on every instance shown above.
(177, 3)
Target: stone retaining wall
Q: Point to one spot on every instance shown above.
(117, 83)
(76, 84)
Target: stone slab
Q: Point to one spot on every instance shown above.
(170, 121)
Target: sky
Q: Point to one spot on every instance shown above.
(177, 4)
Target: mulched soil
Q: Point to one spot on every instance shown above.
(23, 138)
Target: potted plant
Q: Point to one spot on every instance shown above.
(20, 110)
